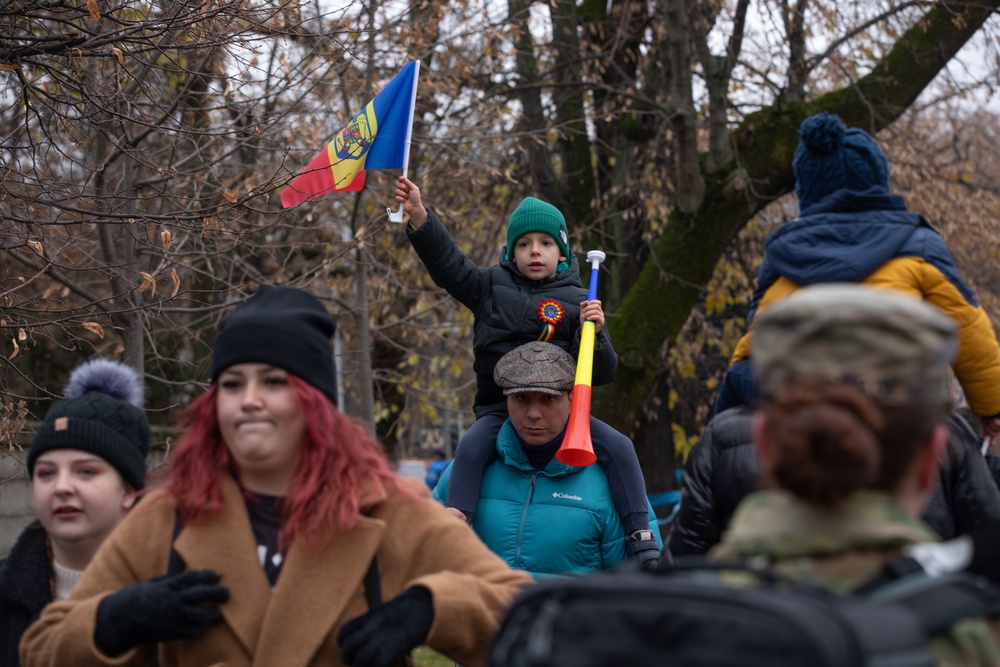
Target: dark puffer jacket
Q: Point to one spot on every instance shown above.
(25, 589)
(993, 463)
(723, 467)
(504, 305)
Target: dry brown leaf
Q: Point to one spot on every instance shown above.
(231, 196)
(177, 282)
(165, 239)
(7, 67)
(94, 13)
(37, 247)
(94, 327)
(16, 349)
(147, 283)
(22, 334)
(118, 54)
(209, 224)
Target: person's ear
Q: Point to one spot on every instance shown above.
(562, 258)
(129, 498)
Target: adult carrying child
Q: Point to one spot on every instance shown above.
(534, 293)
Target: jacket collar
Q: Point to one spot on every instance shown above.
(306, 590)
(777, 525)
(875, 198)
(25, 573)
(511, 453)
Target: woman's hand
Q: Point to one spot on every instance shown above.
(382, 636)
(167, 608)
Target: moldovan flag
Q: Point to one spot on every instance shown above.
(377, 138)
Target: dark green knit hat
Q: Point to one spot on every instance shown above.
(101, 414)
(534, 215)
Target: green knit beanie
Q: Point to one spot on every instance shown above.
(534, 215)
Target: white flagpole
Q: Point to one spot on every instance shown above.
(397, 215)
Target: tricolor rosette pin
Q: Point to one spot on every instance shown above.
(550, 313)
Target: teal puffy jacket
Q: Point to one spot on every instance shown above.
(560, 520)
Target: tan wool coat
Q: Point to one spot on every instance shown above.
(417, 541)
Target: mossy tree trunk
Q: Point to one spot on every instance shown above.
(685, 254)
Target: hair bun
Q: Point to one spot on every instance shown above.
(108, 377)
(822, 134)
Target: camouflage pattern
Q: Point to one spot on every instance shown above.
(894, 347)
(841, 549)
(536, 366)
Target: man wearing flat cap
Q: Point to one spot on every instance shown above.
(541, 515)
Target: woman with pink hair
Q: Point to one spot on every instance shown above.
(280, 531)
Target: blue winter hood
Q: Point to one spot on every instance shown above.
(842, 238)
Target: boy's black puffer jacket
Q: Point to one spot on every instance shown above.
(504, 305)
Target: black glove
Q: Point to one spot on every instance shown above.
(643, 548)
(384, 635)
(175, 606)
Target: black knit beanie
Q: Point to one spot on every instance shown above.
(284, 327)
(101, 414)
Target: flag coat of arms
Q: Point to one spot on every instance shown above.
(376, 138)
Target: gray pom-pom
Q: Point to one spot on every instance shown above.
(109, 377)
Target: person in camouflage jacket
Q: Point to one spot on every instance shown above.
(854, 392)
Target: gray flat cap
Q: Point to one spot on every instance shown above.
(536, 366)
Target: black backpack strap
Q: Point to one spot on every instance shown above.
(763, 574)
(176, 564)
(373, 596)
(941, 601)
(372, 582)
(893, 570)
(373, 585)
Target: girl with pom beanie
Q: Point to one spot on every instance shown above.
(851, 228)
(87, 463)
(534, 293)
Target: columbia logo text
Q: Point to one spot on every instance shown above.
(566, 496)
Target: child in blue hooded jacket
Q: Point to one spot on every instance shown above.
(852, 229)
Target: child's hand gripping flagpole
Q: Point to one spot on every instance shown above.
(397, 215)
(577, 448)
